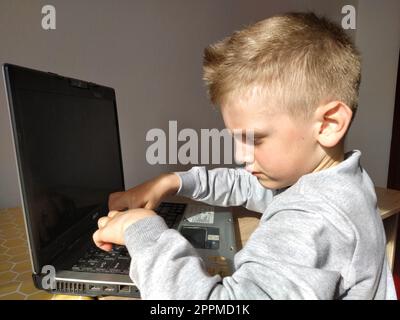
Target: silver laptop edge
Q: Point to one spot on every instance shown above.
(8, 98)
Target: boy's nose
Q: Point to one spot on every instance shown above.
(249, 167)
(244, 153)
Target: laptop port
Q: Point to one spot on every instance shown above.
(124, 289)
(109, 289)
(94, 287)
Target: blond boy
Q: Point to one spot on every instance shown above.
(294, 80)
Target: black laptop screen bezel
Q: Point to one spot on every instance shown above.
(47, 80)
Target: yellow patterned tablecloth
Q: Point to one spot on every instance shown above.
(15, 265)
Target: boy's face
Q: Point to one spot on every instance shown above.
(284, 148)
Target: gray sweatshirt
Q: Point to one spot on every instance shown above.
(321, 238)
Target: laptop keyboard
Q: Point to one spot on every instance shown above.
(99, 261)
(170, 212)
(117, 261)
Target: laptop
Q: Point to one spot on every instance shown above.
(68, 155)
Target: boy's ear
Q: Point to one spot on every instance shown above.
(332, 121)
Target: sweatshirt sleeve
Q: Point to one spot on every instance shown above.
(225, 187)
(283, 259)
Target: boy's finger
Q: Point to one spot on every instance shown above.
(99, 243)
(96, 238)
(106, 246)
(114, 200)
(102, 222)
(113, 213)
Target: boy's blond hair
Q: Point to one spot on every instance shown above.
(298, 59)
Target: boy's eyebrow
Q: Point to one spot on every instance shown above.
(256, 134)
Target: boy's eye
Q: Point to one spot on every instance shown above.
(259, 139)
(251, 139)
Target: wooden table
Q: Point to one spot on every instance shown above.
(389, 206)
(15, 267)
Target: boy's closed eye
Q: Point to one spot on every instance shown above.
(258, 141)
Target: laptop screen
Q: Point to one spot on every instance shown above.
(68, 149)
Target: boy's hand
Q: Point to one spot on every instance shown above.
(112, 228)
(147, 195)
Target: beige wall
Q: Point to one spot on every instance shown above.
(150, 52)
(378, 38)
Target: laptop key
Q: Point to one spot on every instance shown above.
(76, 267)
(93, 261)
